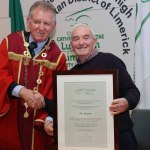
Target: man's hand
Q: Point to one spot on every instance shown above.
(39, 100)
(118, 106)
(48, 126)
(33, 99)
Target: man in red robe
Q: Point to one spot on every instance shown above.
(27, 60)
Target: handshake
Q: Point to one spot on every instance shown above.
(35, 100)
(32, 98)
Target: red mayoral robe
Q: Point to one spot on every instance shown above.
(21, 128)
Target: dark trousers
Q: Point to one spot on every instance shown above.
(127, 141)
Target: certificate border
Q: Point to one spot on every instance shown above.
(69, 73)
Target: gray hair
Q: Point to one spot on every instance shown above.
(44, 5)
(83, 25)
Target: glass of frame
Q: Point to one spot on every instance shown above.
(82, 120)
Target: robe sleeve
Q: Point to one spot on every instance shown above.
(62, 62)
(5, 78)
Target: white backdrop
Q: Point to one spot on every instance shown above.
(112, 21)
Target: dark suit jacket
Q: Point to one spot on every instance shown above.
(127, 88)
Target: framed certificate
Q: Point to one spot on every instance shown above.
(82, 119)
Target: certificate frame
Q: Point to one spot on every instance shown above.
(64, 103)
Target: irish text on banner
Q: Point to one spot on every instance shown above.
(142, 52)
(16, 16)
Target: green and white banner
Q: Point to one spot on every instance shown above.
(112, 21)
(16, 16)
(142, 52)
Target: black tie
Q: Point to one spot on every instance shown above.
(32, 46)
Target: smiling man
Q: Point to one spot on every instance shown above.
(83, 44)
(28, 59)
